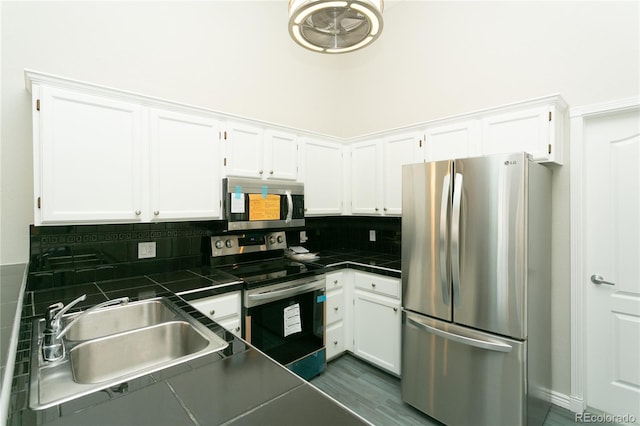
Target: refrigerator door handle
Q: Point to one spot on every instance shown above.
(444, 207)
(470, 341)
(455, 237)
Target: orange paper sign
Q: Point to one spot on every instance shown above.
(264, 208)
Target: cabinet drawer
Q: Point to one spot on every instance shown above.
(233, 325)
(378, 284)
(334, 280)
(335, 340)
(335, 306)
(218, 307)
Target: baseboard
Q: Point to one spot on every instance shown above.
(561, 400)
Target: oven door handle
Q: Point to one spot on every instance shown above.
(286, 292)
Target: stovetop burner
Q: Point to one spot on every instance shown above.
(267, 271)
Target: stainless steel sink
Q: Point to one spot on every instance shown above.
(113, 345)
(113, 320)
(108, 358)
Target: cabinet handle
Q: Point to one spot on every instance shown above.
(212, 312)
(156, 212)
(138, 212)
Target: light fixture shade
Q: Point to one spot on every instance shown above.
(335, 26)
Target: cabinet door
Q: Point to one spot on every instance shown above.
(280, 155)
(398, 151)
(519, 131)
(243, 150)
(460, 140)
(87, 159)
(377, 322)
(322, 174)
(366, 178)
(185, 166)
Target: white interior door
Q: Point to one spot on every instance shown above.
(612, 241)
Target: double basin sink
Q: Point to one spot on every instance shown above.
(107, 347)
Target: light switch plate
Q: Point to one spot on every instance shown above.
(146, 250)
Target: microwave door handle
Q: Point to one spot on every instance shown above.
(290, 205)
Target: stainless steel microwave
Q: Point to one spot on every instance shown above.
(262, 204)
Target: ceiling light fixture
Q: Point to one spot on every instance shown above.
(335, 26)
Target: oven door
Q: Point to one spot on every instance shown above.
(286, 322)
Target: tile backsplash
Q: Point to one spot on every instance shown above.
(64, 255)
(77, 254)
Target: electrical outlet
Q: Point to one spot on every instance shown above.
(372, 235)
(146, 250)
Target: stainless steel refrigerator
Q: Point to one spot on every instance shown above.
(476, 272)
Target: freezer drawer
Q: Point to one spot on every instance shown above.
(460, 376)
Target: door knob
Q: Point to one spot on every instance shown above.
(599, 279)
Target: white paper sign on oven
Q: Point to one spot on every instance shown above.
(292, 321)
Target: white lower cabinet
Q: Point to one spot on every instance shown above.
(335, 310)
(363, 317)
(225, 309)
(377, 320)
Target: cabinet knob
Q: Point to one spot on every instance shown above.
(238, 328)
(156, 212)
(385, 209)
(335, 282)
(373, 285)
(377, 209)
(395, 309)
(212, 312)
(305, 209)
(261, 172)
(138, 212)
(270, 172)
(335, 342)
(335, 309)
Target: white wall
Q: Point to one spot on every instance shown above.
(433, 59)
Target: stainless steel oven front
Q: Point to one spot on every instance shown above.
(286, 321)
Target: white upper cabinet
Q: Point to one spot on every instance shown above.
(400, 149)
(257, 153)
(366, 177)
(280, 155)
(322, 173)
(376, 172)
(243, 150)
(104, 156)
(536, 131)
(185, 168)
(88, 158)
(447, 142)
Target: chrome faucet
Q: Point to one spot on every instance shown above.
(52, 344)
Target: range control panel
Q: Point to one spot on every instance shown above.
(251, 242)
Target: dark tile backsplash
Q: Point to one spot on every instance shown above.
(352, 232)
(77, 254)
(65, 255)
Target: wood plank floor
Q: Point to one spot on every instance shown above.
(375, 395)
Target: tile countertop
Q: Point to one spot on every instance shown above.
(236, 386)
